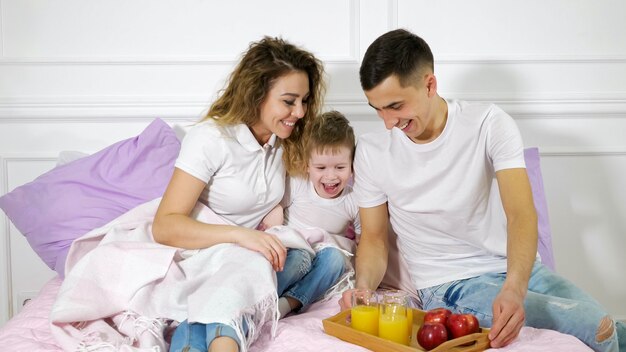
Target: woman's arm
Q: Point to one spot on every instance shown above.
(173, 227)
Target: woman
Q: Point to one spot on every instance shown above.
(235, 160)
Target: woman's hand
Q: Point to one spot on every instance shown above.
(267, 244)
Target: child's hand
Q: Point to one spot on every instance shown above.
(345, 302)
(263, 226)
(273, 218)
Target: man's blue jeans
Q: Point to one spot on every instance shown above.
(552, 302)
(308, 283)
(196, 337)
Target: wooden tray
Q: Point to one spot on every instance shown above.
(339, 326)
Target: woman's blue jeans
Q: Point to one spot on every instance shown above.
(552, 302)
(197, 337)
(307, 280)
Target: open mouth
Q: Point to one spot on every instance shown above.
(288, 123)
(405, 125)
(330, 188)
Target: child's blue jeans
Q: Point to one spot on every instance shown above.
(552, 302)
(307, 284)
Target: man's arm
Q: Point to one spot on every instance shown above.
(371, 253)
(508, 306)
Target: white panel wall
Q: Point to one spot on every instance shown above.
(82, 74)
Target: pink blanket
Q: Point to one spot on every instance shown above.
(121, 288)
(30, 331)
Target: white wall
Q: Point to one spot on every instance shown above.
(81, 74)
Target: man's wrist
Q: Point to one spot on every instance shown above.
(519, 287)
(363, 285)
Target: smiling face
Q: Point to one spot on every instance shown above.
(284, 104)
(417, 110)
(330, 170)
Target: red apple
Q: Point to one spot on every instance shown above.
(462, 324)
(437, 315)
(431, 335)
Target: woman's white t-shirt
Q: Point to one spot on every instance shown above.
(244, 180)
(442, 196)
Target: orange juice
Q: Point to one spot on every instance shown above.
(394, 328)
(409, 318)
(365, 318)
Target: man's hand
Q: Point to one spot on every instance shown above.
(508, 317)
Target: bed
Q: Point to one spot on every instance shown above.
(96, 189)
(30, 331)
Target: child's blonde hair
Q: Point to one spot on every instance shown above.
(328, 133)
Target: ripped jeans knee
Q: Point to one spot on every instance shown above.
(297, 265)
(606, 329)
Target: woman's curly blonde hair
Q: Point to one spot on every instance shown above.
(260, 66)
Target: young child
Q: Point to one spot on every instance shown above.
(325, 201)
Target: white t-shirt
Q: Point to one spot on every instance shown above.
(244, 179)
(442, 196)
(304, 208)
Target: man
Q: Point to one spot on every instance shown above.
(469, 247)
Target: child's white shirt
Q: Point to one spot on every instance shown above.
(304, 208)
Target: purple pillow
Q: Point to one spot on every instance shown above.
(72, 199)
(533, 168)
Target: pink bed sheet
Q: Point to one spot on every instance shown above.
(29, 331)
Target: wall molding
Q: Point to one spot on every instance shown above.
(523, 59)
(220, 60)
(355, 34)
(114, 108)
(1, 32)
(6, 159)
(392, 10)
(6, 286)
(584, 151)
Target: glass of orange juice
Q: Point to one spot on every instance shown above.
(364, 312)
(393, 317)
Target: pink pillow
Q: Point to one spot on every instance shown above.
(397, 275)
(72, 199)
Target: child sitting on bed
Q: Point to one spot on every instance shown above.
(324, 200)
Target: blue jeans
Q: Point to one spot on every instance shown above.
(307, 286)
(552, 302)
(196, 337)
(297, 265)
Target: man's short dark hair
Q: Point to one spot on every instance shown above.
(398, 52)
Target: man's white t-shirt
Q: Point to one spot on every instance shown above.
(304, 208)
(442, 196)
(244, 179)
